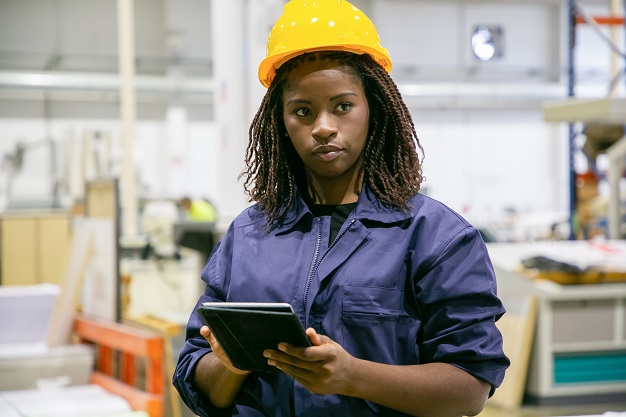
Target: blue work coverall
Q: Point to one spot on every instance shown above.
(394, 287)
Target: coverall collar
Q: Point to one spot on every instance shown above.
(368, 208)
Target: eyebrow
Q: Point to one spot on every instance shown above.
(333, 98)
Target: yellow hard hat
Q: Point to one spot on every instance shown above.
(320, 25)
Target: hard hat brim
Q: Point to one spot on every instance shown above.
(268, 67)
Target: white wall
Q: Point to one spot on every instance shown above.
(436, 42)
(484, 163)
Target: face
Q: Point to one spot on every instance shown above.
(326, 115)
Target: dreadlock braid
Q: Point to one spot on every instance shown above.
(392, 154)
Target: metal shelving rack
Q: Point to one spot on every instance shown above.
(565, 362)
(603, 110)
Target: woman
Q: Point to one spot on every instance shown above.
(396, 290)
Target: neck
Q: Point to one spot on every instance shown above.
(333, 191)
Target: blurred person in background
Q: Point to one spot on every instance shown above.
(197, 210)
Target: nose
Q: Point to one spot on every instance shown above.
(324, 128)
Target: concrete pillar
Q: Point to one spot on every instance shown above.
(128, 180)
(227, 22)
(175, 169)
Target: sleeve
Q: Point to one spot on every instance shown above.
(195, 347)
(459, 304)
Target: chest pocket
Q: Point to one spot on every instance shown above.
(375, 326)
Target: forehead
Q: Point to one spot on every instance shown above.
(317, 71)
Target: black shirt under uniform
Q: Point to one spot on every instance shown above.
(338, 214)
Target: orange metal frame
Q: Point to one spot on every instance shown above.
(118, 346)
(606, 20)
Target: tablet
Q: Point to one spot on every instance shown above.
(245, 330)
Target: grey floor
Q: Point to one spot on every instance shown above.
(532, 411)
(543, 411)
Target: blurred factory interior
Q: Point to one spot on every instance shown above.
(112, 112)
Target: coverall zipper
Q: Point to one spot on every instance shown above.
(316, 262)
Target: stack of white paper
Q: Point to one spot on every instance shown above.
(7, 410)
(74, 401)
(57, 366)
(26, 312)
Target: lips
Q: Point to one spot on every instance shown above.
(326, 152)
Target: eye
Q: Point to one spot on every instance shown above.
(302, 112)
(343, 107)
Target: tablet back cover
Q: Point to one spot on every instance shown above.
(245, 333)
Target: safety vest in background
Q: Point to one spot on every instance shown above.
(201, 211)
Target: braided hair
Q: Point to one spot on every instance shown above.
(391, 156)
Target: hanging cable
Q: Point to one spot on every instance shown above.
(615, 80)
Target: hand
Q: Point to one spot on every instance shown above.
(219, 352)
(323, 368)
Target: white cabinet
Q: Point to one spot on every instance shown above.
(580, 344)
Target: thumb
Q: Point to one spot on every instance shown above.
(315, 338)
(205, 331)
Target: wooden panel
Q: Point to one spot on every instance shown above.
(605, 110)
(101, 199)
(102, 202)
(54, 242)
(19, 251)
(34, 247)
(518, 328)
(584, 278)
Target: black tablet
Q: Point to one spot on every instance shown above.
(245, 330)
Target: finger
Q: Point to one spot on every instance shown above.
(289, 364)
(295, 371)
(208, 335)
(286, 351)
(205, 331)
(211, 338)
(297, 357)
(215, 346)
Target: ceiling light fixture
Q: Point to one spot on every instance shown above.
(487, 42)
